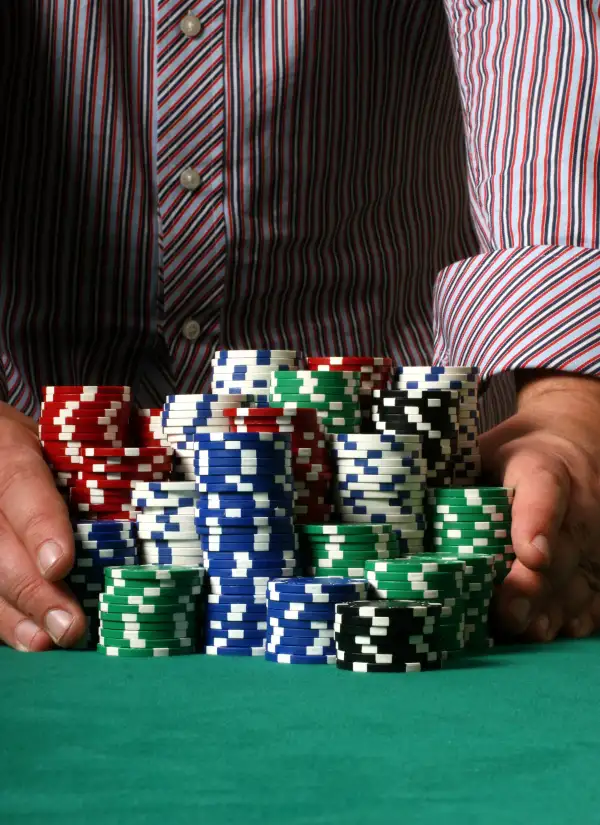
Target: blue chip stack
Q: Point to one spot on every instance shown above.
(98, 545)
(166, 528)
(301, 615)
(247, 372)
(185, 415)
(244, 521)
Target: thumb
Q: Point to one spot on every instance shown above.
(542, 491)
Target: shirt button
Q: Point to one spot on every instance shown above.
(190, 25)
(191, 329)
(190, 179)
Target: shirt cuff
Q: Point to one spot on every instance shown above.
(519, 308)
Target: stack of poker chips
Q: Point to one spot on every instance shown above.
(166, 526)
(334, 395)
(311, 464)
(464, 380)
(248, 372)
(427, 577)
(431, 414)
(185, 415)
(98, 545)
(388, 636)
(344, 549)
(375, 374)
(146, 428)
(477, 594)
(149, 611)
(473, 520)
(245, 524)
(381, 480)
(301, 614)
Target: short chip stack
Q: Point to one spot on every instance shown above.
(165, 520)
(245, 523)
(149, 611)
(185, 415)
(428, 578)
(300, 615)
(334, 395)
(375, 374)
(431, 414)
(311, 463)
(146, 428)
(344, 549)
(388, 636)
(98, 545)
(478, 589)
(470, 520)
(381, 480)
(467, 459)
(248, 372)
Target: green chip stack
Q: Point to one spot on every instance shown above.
(472, 520)
(344, 549)
(433, 579)
(334, 395)
(150, 610)
(478, 589)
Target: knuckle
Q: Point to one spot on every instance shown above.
(25, 591)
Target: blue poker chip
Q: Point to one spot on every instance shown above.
(246, 477)
(403, 461)
(255, 578)
(242, 501)
(212, 650)
(283, 527)
(103, 544)
(309, 612)
(383, 487)
(102, 532)
(106, 553)
(163, 535)
(262, 484)
(301, 624)
(302, 650)
(318, 584)
(209, 440)
(243, 627)
(291, 636)
(234, 512)
(227, 599)
(409, 498)
(311, 599)
(224, 568)
(286, 658)
(252, 544)
(147, 500)
(276, 524)
(155, 520)
(166, 527)
(372, 473)
(231, 612)
(222, 640)
(242, 387)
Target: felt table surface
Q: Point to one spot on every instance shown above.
(512, 738)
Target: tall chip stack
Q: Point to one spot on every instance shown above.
(146, 428)
(429, 578)
(185, 415)
(381, 480)
(464, 380)
(334, 395)
(149, 611)
(430, 414)
(471, 520)
(166, 522)
(388, 636)
(244, 518)
(311, 463)
(478, 590)
(301, 614)
(344, 549)
(248, 372)
(375, 374)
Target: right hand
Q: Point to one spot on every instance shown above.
(36, 544)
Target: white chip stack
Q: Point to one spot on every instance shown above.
(248, 372)
(166, 530)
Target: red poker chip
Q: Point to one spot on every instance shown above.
(86, 507)
(128, 478)
(86, 388)
(83, 423)
(358, 360)
(84, 407)
(83, 442)
(127, 452)
(101, 483)
(147, 412)
(112, 431)
(85, 397)
(90, 497)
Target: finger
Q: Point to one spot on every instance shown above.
(20, 632)
(576, 597)
(36, 512)
(9, 414)
(517, 601)
(21, 584)
(546, 625)
(542, 489)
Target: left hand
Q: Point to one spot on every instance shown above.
(550, 452)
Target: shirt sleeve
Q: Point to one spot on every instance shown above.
(528, 75)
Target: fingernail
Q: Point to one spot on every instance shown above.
(25, 633)
(541, 545)
(519, 610)
(542, 623)
(57, 624)
(50, 552)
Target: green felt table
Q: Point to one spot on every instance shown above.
(510, 738)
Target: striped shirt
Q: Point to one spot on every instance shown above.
(412, 178)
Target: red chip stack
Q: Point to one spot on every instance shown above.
(83, 432)
(311, 464)
(146, 428)
(375, 374)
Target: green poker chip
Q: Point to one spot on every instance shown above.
(459, 532)
(420, 562)
(126, 600)
(146, 653)
(349, 571)
(344, 529)
(318, 376)
(147, 644)
(470, 509)
(147, 609)
(470, 494)
(123, 589)
(476, 543)
(116, 633)
(154, 572)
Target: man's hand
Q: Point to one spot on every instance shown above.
(36, 544)
(550, 452)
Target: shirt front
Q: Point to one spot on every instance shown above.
(295, 174)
